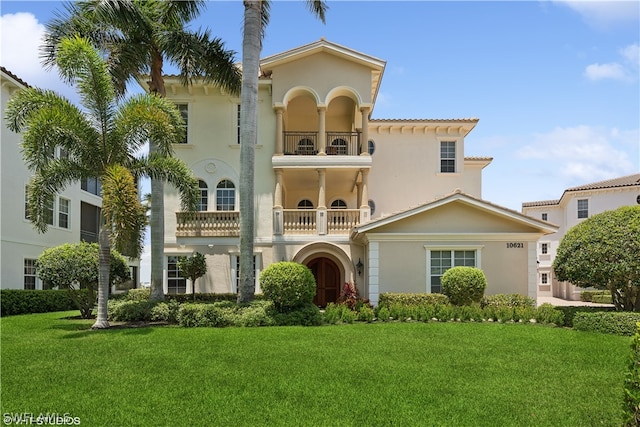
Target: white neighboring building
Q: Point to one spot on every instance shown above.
(575, 205)
(74, 214)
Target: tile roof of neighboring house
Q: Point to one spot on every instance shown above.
(466, 119)
(624, 181)
(478, 158)
(13, 76)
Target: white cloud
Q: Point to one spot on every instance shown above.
(625, 70)
(604, 14)
(583, 154)
(20, 50)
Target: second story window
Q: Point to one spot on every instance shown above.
(63, 213)
(91, 185)
(447, 156)
(203, 202)
(238, 123)
(338, 204)
(184, 113)
(583, 208)
(226, 196)
(544, 216)
(305, 204)
(544, 248)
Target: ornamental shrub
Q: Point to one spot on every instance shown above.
(464, 285)
(507, 300)
(586, 296)
(17, 301)
(288, 285)
(547, 314)
(602, 299)
(388, 298)
(365, 314)
(631, 405)
(130, 311)
(569, 312)
(302, 315)
(617, 323)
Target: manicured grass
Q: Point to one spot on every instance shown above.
(400, 374)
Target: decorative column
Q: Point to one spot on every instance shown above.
(278, 214)
(279, 132)
(358, 194)
(322, 130)
(321, 211)
(365, 210)
(364, 143)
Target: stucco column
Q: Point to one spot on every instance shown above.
(278, 214)
(322, 130)
(364, 142)
(321, 212)
(279, 131)
(365, 210)
(358, 194)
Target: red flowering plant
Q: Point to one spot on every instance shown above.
(351, 298)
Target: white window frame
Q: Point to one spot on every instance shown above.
(585, 209)
(31, 273)
(61, 213)
(544, 278)
(455, 156)
(452, 248)
(234, 258)
(204, 196)
(545, 216)
(185, 109)
(177, 278)
(235, 195)
(544, 248)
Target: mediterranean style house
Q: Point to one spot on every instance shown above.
(575, 205)
(74, 213)
(387, 204)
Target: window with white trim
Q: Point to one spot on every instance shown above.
(235, 272)
(544, 216)
(49, 206)
(305, 204)
(203, 202)
(442, 260)
(27, 214)
(583, 208)
(184, 113)
(544, 248)
(447, 156)
(175, 283)
(29, 273)
(226, 196)
(91, 185)
(338, 204)
(544, 278)
(63, 213)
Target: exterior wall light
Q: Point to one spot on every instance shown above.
(359, 267)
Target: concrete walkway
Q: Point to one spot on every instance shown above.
(563, 302)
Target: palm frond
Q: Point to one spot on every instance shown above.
(176, 13)
(318, 8)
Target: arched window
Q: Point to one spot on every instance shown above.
(306, 147)
(338, 204)
(305, 204)
(203, 203)
(226, 196)
(339, 146)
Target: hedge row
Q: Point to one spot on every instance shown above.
(617, 323)
(631, 405)
(18, 301)
(412, 299)
(587, 296)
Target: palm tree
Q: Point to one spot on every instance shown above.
(138, 36)
(102, 141)
(256, 18)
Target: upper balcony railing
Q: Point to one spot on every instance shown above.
(208, 224)
(307, 143)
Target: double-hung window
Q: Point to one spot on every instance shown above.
(447, 156)
(583, 208)
(544, 248)
(63, 213)
(203, 203)
(235, 272)
(225, 196)
(440, 260)
(29, 273)
(175, 283)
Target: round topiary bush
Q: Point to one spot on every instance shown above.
(464, 285)
(288, 285)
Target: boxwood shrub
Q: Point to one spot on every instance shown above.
(386, 299)
(288, 285)
(570, 312)
(464, 285)
(587, 296)
(617, 323)
(508, 300)
(602, 299)
(18, 301)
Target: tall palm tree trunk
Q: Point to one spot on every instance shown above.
(156, 226)
(104, 256)
(251, 47)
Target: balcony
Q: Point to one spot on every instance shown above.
(308, 144)
(314, 221)
(208, 224)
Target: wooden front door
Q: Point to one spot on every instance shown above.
(327, 277)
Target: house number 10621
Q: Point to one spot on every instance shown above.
(513, 245)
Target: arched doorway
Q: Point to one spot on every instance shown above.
(327, 275)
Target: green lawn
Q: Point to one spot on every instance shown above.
(400, 374)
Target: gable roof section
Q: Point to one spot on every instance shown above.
(624, 181)
(458, 197)
(16, 80)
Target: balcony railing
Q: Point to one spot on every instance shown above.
(341, 221)
(307, 144)
(208, 224)
(299, 221)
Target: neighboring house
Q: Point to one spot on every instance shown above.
(328, 181)
(74, 213)
(575, 205)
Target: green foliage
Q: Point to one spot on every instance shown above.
(602, 252)
(366, 314)
(547, 313)
(137, 294)
(258, 313)
(17, 301)
(193, 268)
(464, 285)
(508, 300)
(130, 311)
(602, 299)
(75, 266)
(218, 315)
(631, 403)
(386, 299)
(302, 315)
(384, 314)
(166, 312)
(288, 285)
(569, 312)
(617, 323)
(586, 296)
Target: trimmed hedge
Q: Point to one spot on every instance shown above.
(602, 299)
(571, 311)
(617, 323)
(508, 300)
(288, 284)
(386, 299)
(587, 296)
(17, 301)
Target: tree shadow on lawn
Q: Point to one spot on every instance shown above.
(80, 327)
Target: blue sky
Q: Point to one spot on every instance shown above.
(555, 84)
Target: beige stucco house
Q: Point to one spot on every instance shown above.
(386, 204)
(74, 213)
(575, 205)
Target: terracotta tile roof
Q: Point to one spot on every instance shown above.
(625, 181)
(540, 203)
(13, 76)
(466, 120)
(487, 158)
